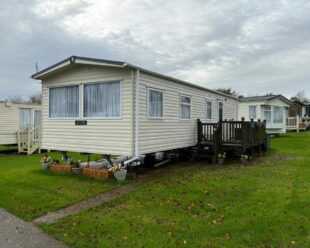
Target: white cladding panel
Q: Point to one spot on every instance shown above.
(10, 121)
(170, 132)
(110, 136)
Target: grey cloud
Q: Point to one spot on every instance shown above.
(251, 46)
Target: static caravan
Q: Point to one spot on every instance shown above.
(15, 118)
(111, 107)
(272, 108)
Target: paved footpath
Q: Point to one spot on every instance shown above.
(16, 233)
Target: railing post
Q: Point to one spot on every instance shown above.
(297, 123)
(19, 142)
(28, 140)
(199, 131)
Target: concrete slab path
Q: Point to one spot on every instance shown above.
(17, 233)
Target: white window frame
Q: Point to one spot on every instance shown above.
(102, 118)
(281, 111)
(252, 106)
(206, 112)
(148, 105)
(186, 104)
(63, 118)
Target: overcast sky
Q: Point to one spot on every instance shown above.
(251, 46)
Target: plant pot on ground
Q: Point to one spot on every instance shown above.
(76, 169)
(120, 175)
(119, 172)
(45, 162)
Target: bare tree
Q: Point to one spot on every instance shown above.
(300, 96)
(228, 91)
(16, 99)
(35, 99)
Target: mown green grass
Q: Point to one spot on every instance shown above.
(28, 191)
(7, 148)
(263, 204)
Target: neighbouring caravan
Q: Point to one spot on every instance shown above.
(15, 117)
(272, 108)
(111, 107)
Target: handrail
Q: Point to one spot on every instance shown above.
(29, 139)
(246, 134)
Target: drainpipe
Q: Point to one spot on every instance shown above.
(137, 112)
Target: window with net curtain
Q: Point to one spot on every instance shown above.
(64, 102)
(185, 107)
(155, 103)
(209, 110)
(267, 114)
(277, 114)
(252, 112)
(102, 100)
(25, 117)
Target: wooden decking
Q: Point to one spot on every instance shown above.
(239, 136)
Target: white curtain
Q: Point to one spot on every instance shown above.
(267, 114)
(64, 102)
(37, 118)
(102, 100)
(24, 118)
(252, 112)
(209, 110)
(277, 114)
(185, 107)
(155, 103)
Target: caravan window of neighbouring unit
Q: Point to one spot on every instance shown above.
(252, 112)
(155, 103)
(277, 114)
(102, 100)
(64, 102)
(185, 107)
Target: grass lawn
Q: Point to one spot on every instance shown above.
(7, 148)
(28, 191)
(263, 204)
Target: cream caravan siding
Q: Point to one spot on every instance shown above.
(170, 132)
(244, 110)
(9, 121)
(111, 136)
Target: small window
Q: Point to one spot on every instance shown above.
(64, 102)
(185, 107)
(252, 112)
(155, 103)
(25, 117)
(208, 110)
(277, 114)
(221, 111)
(267, 114)
(102, 100)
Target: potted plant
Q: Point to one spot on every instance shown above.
(221, 158)
(76, 168)
(119, 172)
(45, 161)
(244, 158)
